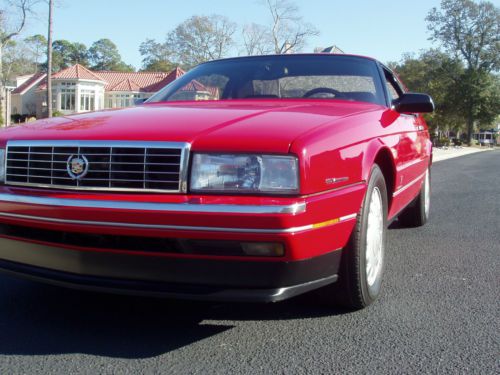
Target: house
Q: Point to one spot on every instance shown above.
(23, 98)
(78, 89)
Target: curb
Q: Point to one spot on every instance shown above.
(451, 154)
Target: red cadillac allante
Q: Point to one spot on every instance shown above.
(250, 179)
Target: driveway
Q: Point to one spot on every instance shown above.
(439, 312)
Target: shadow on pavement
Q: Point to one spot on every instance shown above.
(38, 319)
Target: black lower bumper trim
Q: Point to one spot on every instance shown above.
(209, 279)
(136, 288)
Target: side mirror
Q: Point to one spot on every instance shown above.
(139, 101)
(413, 103)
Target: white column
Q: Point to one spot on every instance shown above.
(57, 90)
(77, 98)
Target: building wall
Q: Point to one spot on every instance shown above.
(121, 99)
(86, 96)
(16, 104)
(72, 96)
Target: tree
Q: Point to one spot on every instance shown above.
(156, 57)
(257, 40)
(79, 54)
(123, 67)
(49, 60)
(437, 74)
(200, 39)
(20, 10)
(36, 46)
(23, 8)
(286, 33)
(17, 61)
(66, 54)
(471, 33)
(104, 55)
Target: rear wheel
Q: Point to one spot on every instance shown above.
(362, 262)
(417, 213)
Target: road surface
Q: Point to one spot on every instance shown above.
(439, 311)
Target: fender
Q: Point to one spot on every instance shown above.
(378, 152)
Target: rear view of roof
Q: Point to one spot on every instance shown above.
(120, 81)
(76, 72)
(138, 81)
(29, 83)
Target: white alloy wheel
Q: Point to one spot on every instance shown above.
(362, 264)
(374, 239)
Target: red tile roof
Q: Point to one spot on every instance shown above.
(120, 81)
(161, 83)
(76, 72)
(125, 85)
(29, 83)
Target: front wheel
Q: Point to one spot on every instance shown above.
(362, 264)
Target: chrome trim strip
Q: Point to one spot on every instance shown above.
(184, 162)
(295, 208)
(125, 144)
(348, 217)
(171, 227)
(157, 226)
(363, 182)
(408, 185)
(402, 167)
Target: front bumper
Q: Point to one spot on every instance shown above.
(204, 279)
(311, 230)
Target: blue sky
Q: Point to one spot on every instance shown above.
(382, 29)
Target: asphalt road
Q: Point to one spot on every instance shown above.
(439, 312)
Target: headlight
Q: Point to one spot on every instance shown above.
(245, 173)
(2, 165)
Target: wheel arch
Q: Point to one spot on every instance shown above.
(380, 154)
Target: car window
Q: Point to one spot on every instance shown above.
(280, 77)
(336, 87)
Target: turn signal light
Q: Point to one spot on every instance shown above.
(263, 249)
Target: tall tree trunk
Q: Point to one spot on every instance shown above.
(2, 88)
(470, 127)
(49, 61)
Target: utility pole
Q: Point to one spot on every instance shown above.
(49, 61)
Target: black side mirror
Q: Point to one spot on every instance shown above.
(413, 103)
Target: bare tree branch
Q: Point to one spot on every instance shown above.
(286, 32)
(24, 7)
(256, 40)
(200, 39)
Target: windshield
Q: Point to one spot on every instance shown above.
(279, 77)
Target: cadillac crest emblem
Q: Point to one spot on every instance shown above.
(77, 166)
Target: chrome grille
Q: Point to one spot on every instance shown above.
(130, 166)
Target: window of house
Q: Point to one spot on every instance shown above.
(87, 100)
(67, 99)
(123, 100)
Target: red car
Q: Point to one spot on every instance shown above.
(250, 179)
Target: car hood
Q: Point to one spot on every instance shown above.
(265, 126)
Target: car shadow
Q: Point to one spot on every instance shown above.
(397, 225)
(38, 319)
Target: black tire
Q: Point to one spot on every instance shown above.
(416, 214)
(353, 291)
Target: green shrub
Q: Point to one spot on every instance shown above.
(443, 141)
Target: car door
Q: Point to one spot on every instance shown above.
(411, 148)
